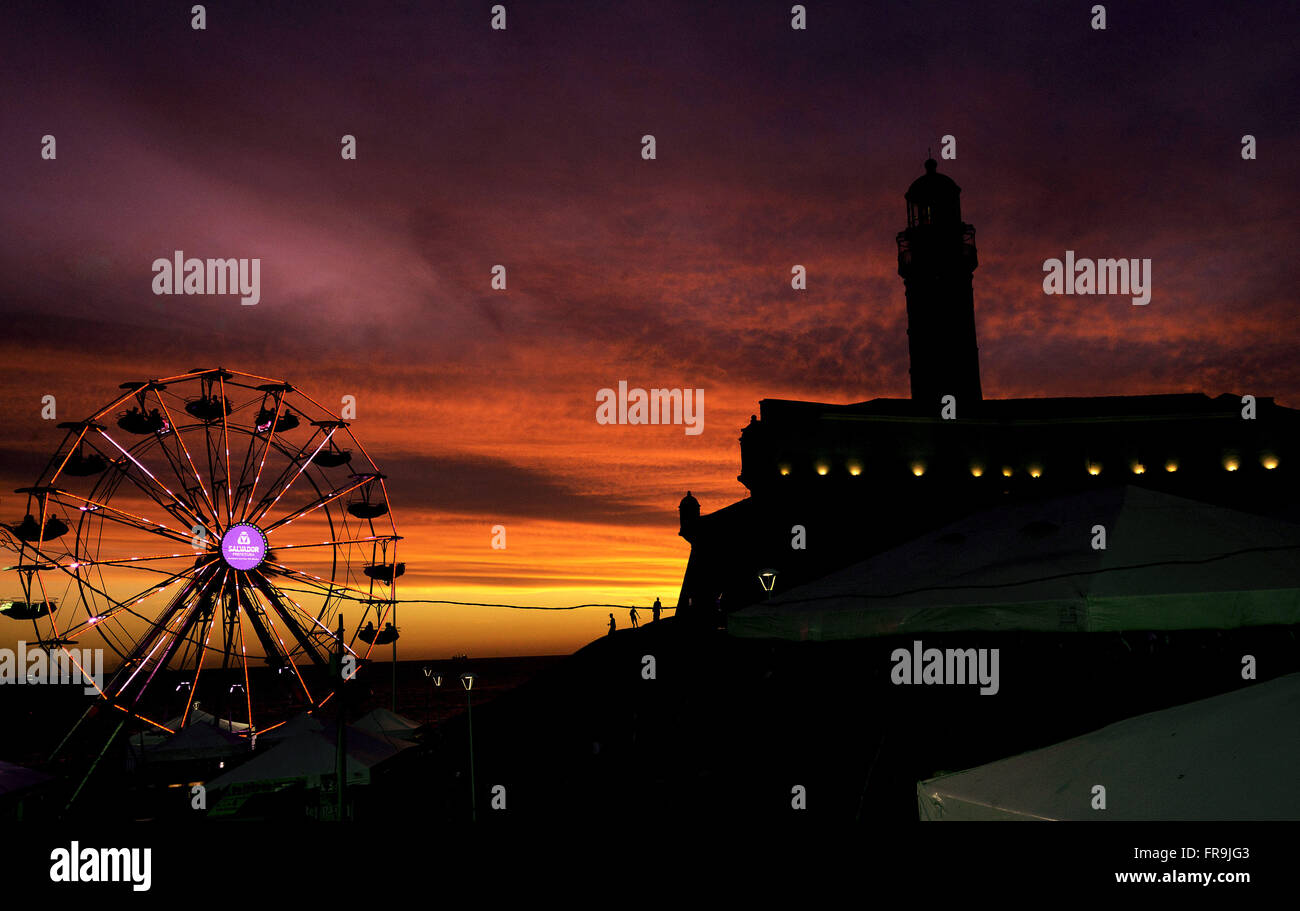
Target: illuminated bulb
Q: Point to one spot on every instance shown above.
(1094, 468)
(1006, 472)
(785, 469)
(855, 469)
(1035, 472)
(823, 468)
(918, 469)
(976, 471)
(1171, 466)
(1269, 462)
(1139, 468)
(1230, 464)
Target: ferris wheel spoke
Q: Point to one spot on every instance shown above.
(130, 519)
(193, 651)
(326, 585)
(266, 448)
(95, 621)
(53, 618)
(243, 656)
(180, 439)
(244, 485)
(118, 605)
(294, 462)
(271, 643)
(326, 637)
(43, 497)
(127, 561)
(255, 510)
(212, 476)
(309, 645)
(274, 644)
(191, 594)
(122, 399)
(225, 440)
(380, 617)
(338, 543)
(322, 501)
(196, 494)
(216, 606)
(264, 507)
(173, 462)
(85, 426)
(193, 516)
(169, 630)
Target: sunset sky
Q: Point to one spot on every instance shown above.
(522, 147)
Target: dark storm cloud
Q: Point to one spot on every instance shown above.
(480, 485)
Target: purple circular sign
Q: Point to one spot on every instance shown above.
(243, 546)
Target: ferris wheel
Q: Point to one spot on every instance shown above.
(208, 528)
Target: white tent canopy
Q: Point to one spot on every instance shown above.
(196, 717)
(303, 723)
(197, 740)
(396, 729)
(1169, 563)
(1230, 757)
(308, 757)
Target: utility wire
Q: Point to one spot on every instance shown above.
(519, 606)
(351, 597)
(869, 595)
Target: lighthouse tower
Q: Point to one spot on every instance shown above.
(936, 258)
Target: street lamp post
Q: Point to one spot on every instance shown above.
(341, 745)
(394, 657)
(435, 679)
(230, 706)
(767, 579)
(467, 681)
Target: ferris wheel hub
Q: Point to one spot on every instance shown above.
(243, 546)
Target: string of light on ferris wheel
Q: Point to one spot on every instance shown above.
(150, 475)
(307, 614)
(104, 509)
(198, 669)
(325, 502)
(180, 438)
(288, 655)
(96, 622)
(266, 449)
(120, 605)
(145, 662)
(262, 512)
(59, 638)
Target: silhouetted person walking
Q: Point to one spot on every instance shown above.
(632, 614)
(654, 611)
(611, 624)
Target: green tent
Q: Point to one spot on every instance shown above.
(1168, 563)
